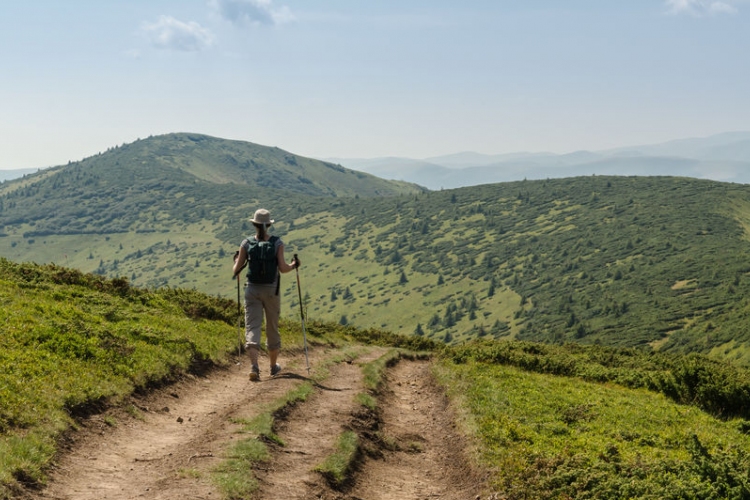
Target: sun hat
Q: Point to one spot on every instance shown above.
(262, 216)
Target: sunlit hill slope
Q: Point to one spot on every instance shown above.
(656, 262)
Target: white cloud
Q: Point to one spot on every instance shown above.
(722, 8)
(252, 11)
(170, 33)
(701, 7)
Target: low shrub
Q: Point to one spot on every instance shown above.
(716, 387)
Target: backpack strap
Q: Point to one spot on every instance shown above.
(273, 240)
(251, 241)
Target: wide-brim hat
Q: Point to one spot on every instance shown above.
(262, 216)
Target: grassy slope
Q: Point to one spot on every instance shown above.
(543, 434)
(622, 261)
(71, 342)
(618, 261)
(555, 437)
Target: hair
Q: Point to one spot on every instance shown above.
(260, 231)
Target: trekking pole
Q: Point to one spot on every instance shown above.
(239, 311)
(239, 322)
(302, 315)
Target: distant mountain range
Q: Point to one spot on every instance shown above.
(723, 157)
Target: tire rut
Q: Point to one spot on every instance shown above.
(166, 451)
(310, 431)
(412, 450)
(424, 456)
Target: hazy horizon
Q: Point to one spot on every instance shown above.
(509, 154)
(414, 79)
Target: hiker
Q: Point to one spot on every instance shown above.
(265, 257)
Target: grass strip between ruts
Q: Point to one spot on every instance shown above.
(337, 467)
(234, 476)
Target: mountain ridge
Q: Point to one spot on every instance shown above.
(577, 259)
(724, 157)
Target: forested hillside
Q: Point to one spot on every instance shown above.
(656, 262)
(155, 183)
(621, 261)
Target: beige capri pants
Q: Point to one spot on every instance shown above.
(260, 299)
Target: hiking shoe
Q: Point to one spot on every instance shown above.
(275, 369)
(255, 373)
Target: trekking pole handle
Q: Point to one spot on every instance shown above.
(296, 264)
(237, 276)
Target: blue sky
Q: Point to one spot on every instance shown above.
(357, 78)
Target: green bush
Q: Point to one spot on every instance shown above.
(716, 387)
(552, 437)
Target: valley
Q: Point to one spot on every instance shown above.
(585, 259)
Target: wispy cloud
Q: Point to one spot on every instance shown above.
(252, 12)
(172, 34)
(722, 8)
(702, 7)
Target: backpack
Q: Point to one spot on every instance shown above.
(262, 265)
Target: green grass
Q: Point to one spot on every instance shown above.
(234, 476)
(367, 401)
(651, 262)
(717, 387)
(335, 468)
(374, 371)
(25, 457)
(557, 437)
(73, 344)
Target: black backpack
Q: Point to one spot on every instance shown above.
(261, 255)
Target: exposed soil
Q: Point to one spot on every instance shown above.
(167, 448)
(425, 457)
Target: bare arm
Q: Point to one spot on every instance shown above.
(241, 259)
(283, 266)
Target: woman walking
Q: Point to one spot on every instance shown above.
(265, 257)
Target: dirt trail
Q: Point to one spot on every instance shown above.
(429, 459)
(180, 434)
(183, 428)
(310, 432)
